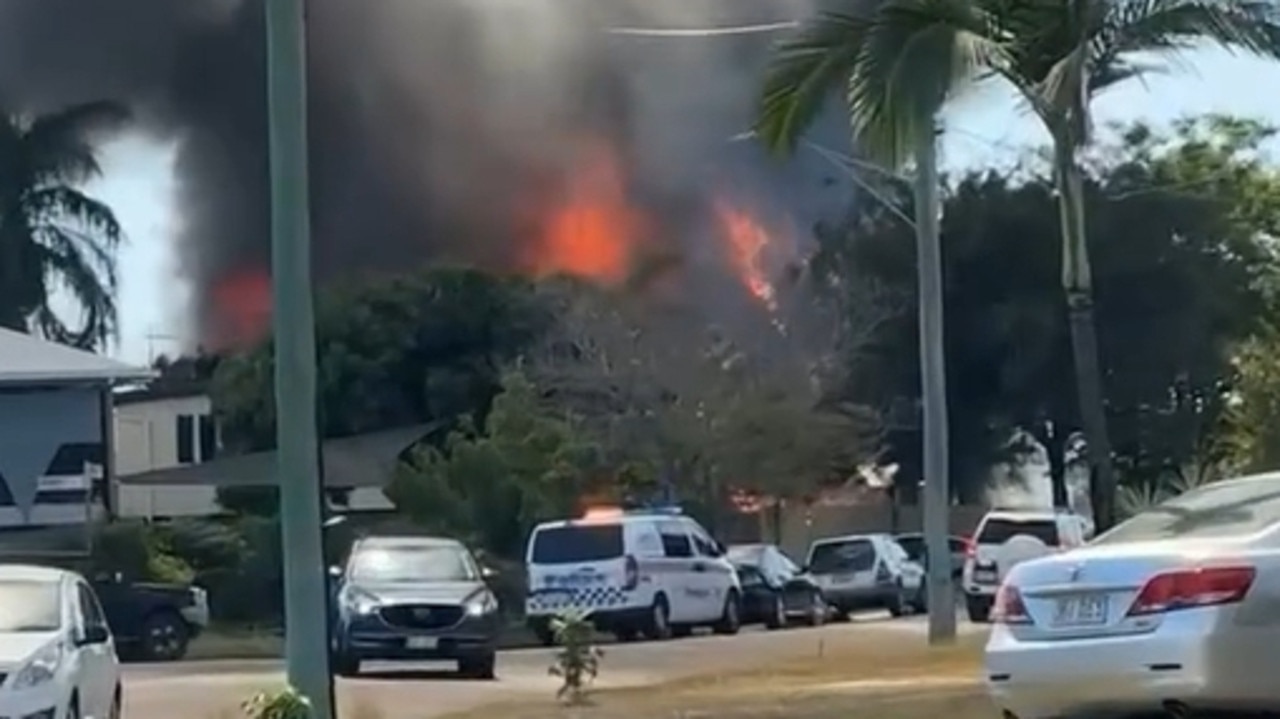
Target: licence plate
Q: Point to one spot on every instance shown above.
(985, 576)
(1081, 611)
(421, 643)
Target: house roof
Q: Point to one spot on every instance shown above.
(25, 359)
(365, 460)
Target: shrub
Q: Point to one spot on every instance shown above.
(284, 704)
(578, 661)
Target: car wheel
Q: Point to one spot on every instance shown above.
(730, 617)
(73, 707)
(543, 632)
(818, 609)
(117, 704)
(897, 603)
(478, 667)
(164, 637)
(658, 625)
(346, 665)
(978, 610)
(921, 602)
(626, 634)
(777, 618)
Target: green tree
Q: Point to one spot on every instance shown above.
(53, 235)
(1251, 430)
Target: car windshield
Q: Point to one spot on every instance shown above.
(575, 543)
(30, 606)
(851, 555)
(746, 554)
(412, 564)
(1217, 510)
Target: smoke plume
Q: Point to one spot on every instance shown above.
(436, 125)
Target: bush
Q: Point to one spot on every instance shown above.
(284, 704)
(578, 661)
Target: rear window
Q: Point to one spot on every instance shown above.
(998, 530)
(1224, 510)
(854, 555)
(577, 543)
(914, 546)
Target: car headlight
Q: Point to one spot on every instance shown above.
(483, 604)
(40, 668)
(359, 601)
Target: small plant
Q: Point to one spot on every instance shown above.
(284, 704)
(578, 661)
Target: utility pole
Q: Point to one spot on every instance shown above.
(933, 386)
(305, 580)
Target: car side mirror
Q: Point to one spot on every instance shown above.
(92, 635)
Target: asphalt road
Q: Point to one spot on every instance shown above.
(214, 689)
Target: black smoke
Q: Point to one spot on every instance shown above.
(433, 122)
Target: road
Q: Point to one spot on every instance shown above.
(214, 689)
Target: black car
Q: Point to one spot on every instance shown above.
(774, 590)
(913, 542)
(414, 599)
(152, 621)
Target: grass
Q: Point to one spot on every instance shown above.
(877, 680)
(230, 642)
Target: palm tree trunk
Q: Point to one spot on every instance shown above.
(933, 385)
(1077, 282)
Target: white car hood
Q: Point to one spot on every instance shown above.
(18, 647)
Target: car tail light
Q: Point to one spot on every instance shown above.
(631, 574)
(1187, 588)
(1009, 607)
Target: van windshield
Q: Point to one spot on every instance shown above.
(577, 543)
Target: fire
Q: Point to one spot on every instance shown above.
(747, 242)
(594, 231)
(242, 303)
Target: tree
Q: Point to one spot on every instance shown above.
(53, 235)
(491, 485)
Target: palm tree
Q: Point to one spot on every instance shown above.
(1058, 54)
(52, 235)
(899, 65)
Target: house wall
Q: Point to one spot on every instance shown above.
(146, 433)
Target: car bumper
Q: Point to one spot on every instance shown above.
(1134, 673)
(605, 620)
(371, 638)
(48, 701)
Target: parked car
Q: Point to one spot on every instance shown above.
(57, 655)
(861, 571)
(646, 572)
(152, 621)
(415, 599)
(774, 590)
(913, 542)
(1007, 537)
(1171, 612)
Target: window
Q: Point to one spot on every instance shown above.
(750, 577)
(998, 530)
(90, 611)
(1217, 510)
(208, 438)
(851, 555)
(675, 541)
(30, 606)
(914, 546)
(576, 543)
(186, 439)
(704, 545)
(424, 563)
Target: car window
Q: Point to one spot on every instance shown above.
(702, 543)
(785, 563)
(90, 609)
(1221, 510)
(577, 543)
(675, 540)
(913, 546)
(750, 576)
(397, 564)
(30, 606)
(852, 555)
(998, 530)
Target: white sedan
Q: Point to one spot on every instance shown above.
(1176, 609)
(57, 658)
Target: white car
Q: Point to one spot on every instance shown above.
(57, 657)
(1007, 537)
(861, 571)
(1175, 610)
(651, 573)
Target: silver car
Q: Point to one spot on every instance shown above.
(1176, 609)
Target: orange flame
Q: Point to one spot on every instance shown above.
(594, 231)
(747, 241)
(242, 303)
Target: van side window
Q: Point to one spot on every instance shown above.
(675, 540)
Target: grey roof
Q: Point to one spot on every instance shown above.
(365, 460)
(30, 360)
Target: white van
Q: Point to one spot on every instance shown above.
(650, 573)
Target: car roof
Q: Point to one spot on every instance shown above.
(33, 573)
(871, 536)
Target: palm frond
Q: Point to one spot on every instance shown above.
(66, 263)
(1156, 25)
(60, 145)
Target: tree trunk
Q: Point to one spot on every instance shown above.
(1077, 282)
(933, 385)
(1046, 434)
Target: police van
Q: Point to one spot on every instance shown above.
(652, 573)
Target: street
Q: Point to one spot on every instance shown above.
(214, 689)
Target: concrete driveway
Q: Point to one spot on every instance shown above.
(214, 689)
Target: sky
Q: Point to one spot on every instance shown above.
(984, 128)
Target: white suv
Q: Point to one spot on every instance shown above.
(650, 573)
(57, 657)
(1008, 537)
